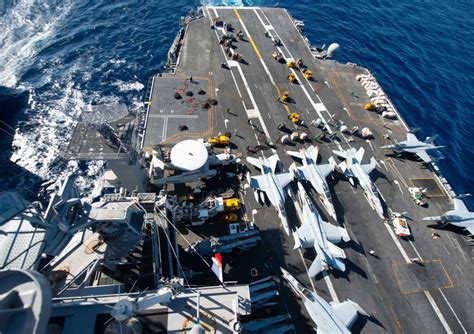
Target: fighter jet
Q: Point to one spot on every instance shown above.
(460, 216)
(319, 234)
(329, 319)
(315, 174)
(273, 185)
(413, 145)
(352, 168)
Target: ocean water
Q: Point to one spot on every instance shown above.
(70, 55)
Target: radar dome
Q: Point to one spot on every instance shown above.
(332, 50)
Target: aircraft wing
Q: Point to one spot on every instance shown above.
(258, 182)
(256, 162)
(459, 205)
(273, 160)
(304, 235)
(312, 153)
(368, 168)
(424, 156)
(317, 266)
(295, 154)
(360, 154)
(470, 228)
(327, 169)
(412, 138)
(303, 171)
(284, 178)
(336, 251)
(335, 233)
(347, 312)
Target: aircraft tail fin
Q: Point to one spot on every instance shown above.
(313, 152)
(347, 312)
(332, 162)
(273, 160)
(336, 251)
(334, 257)
(360, 154)
(295, 154)
(342, 154)
(254, 161)
(430, 140)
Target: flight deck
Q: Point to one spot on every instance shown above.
(418, 284)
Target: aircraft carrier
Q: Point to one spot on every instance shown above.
(228, 73)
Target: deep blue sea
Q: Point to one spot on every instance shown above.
(68, 55)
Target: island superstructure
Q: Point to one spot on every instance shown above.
(246, 83)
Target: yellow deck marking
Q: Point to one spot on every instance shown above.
(410, 292)
(257, 51)
(259, 55)
(236, 12)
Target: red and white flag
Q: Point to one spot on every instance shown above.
(217, 266)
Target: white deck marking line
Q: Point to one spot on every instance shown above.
(249, 92)
(402, 251)
(413, 246)
(165, 127)
(370, 144)
(397, 243)
(438, 312)
(174, 116)
(291, 56)
(236, 86)
(452, 310)
(317, 107)
(256, 137)
(307, 271)
(261, 59)
(254, 113)
(332, 291)
(250, 112)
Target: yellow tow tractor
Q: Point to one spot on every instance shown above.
(219, 140)
(294, 118)
(308, 74)
(291, 63)
(231, 204)
(369, 106)
(292, 77)
(284, 97)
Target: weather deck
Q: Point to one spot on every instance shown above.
(433, 295)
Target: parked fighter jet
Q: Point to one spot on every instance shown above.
(319, 234)
(330, 319)
(315, 174)
(460, 216)
(413, 145)
(273, 185)
(352, 167)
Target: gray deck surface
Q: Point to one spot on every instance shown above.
(401, 297)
